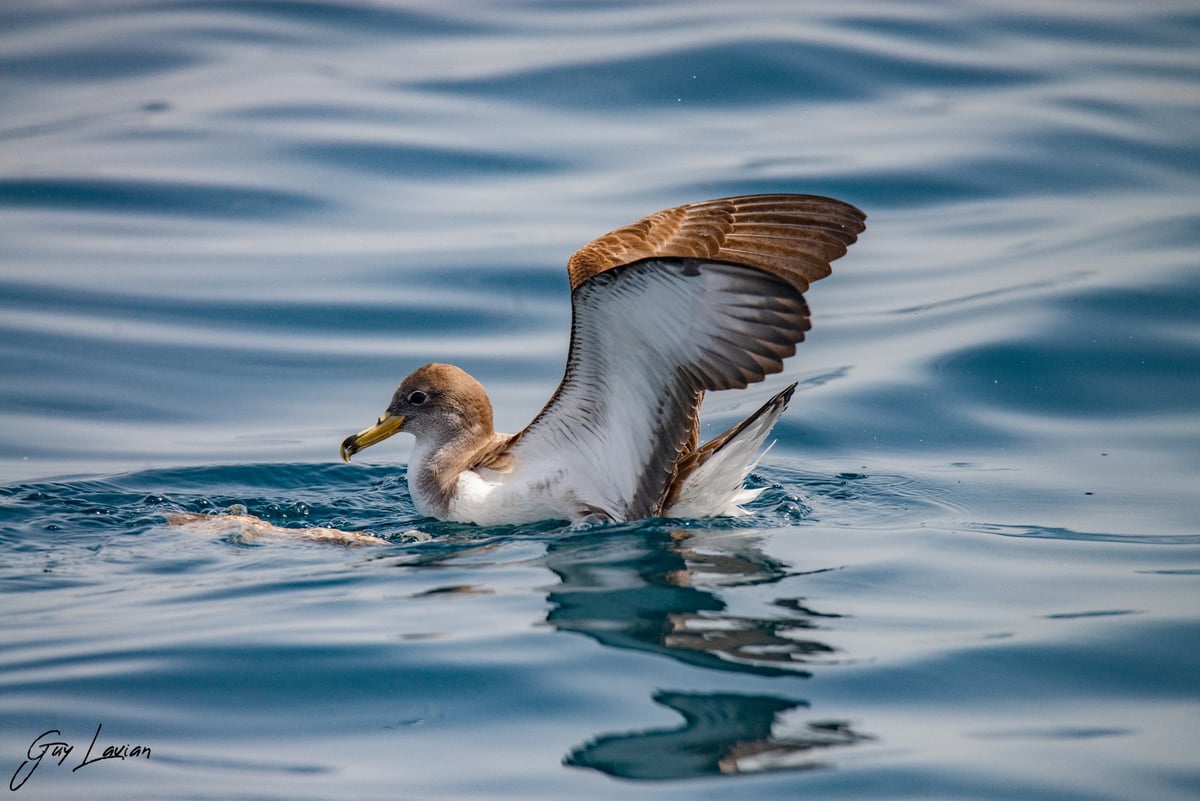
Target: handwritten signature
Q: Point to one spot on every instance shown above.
(44, 745)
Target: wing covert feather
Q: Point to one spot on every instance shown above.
(792, 236)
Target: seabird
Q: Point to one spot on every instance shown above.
(701, 297)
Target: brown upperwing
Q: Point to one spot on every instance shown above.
(792, 236)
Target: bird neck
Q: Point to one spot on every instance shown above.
(437, 462)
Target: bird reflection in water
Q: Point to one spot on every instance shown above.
(722, 733)
(657, 591)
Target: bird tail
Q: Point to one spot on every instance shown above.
(714, 481)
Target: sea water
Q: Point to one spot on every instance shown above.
(228, 230)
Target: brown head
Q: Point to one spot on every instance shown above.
(437, 403)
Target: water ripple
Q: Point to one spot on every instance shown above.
(175, 198)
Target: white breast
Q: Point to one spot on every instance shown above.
(488, 498)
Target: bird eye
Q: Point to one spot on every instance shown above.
(417, 397)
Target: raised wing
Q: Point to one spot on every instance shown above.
(706, 296)
(792, 236)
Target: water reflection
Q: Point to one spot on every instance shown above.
(657, 591)
(722, 733)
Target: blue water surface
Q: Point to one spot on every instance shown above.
(228, 229)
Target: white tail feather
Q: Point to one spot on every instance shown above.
(717, 487)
